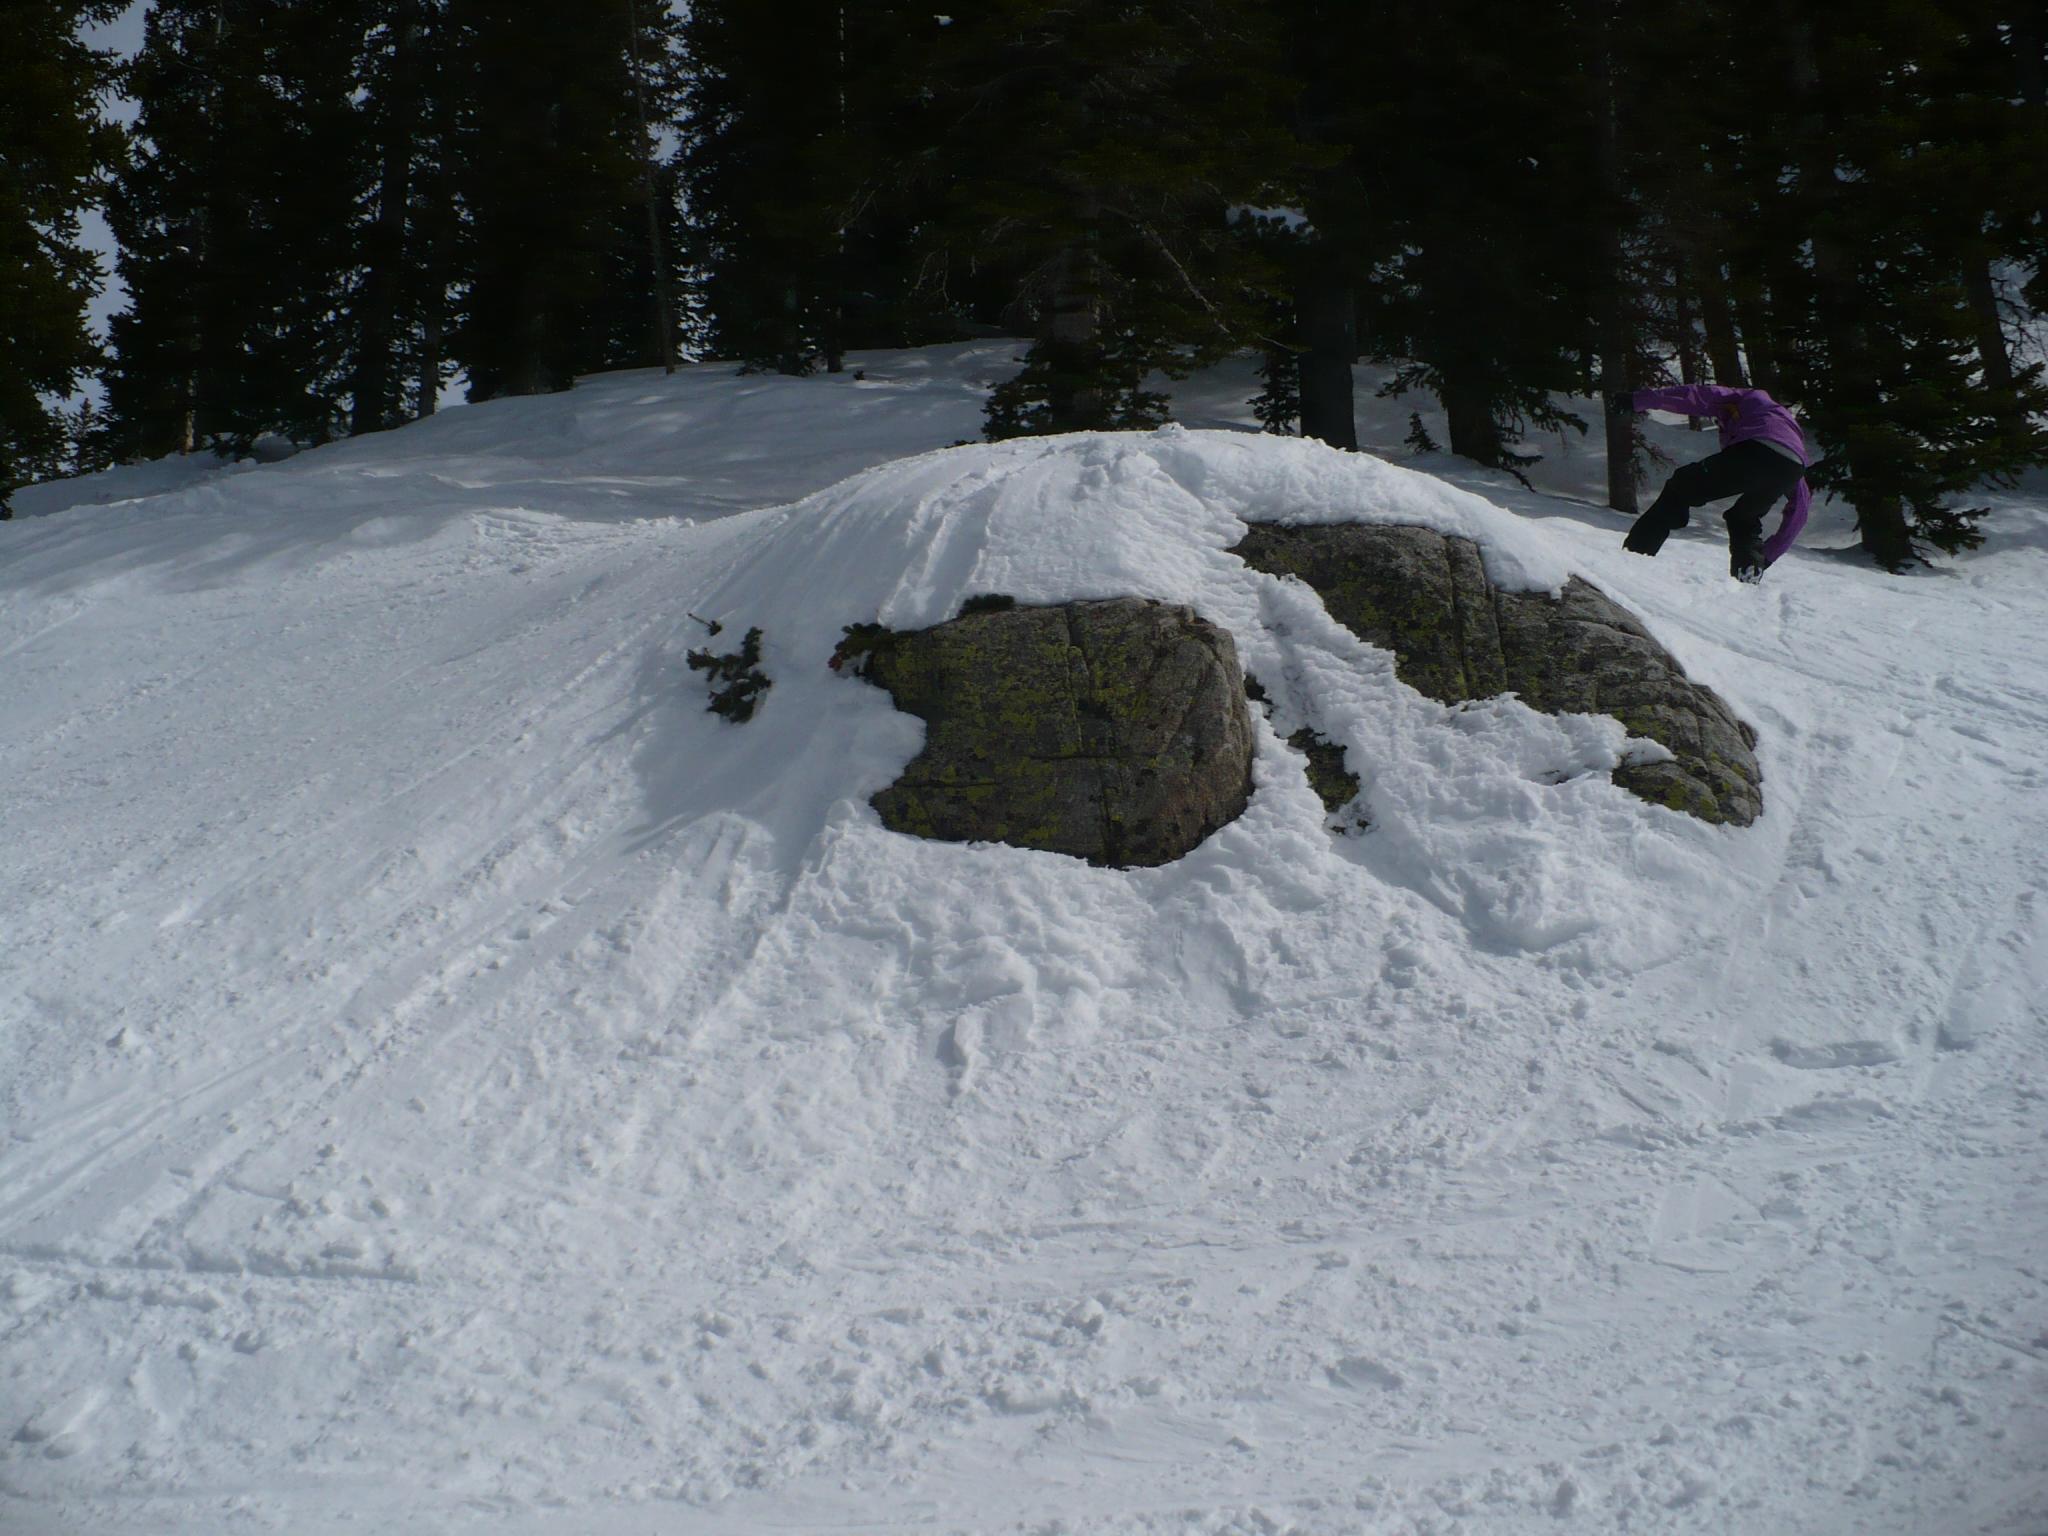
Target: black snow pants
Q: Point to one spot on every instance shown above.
(1757, 475)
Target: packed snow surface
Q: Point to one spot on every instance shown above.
(451, 1081)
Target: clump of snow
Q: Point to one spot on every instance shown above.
(452, 1080)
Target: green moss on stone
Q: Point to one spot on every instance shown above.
(1425, 597)
(1036, 722)
(1335, 784)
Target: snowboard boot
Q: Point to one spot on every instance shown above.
(1746, 552)
(1647, 535)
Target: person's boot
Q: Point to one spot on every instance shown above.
(1746, 552)
(1648, 533)
(1745, 549)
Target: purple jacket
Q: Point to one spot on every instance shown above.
(1744, 416)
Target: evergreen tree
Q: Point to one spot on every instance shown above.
(1888, 357)
(232, 218)
(551, 157)
(1667, 100)
(644, 315)
(653, 275)
(1531, 203)
(1831, 197)
(894, 286)
(1492, 201)
(1277, 405)
(770, 175)
(311, 184)
(401, 231)
(807, 134)
(1327, 254)
(1617, 311)
(1094, 164)
(158, 210)
(54, 148)
(1980, 127)
(1684, 121)
(2023, 31)
(88, 447)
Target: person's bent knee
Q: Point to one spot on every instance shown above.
(1688, 483)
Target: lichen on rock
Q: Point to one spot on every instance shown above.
(1334, 783)
(1325, 764)
(1425, 596)
(1115, 731)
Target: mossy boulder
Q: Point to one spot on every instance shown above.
(1114, 731)
(1425, 596)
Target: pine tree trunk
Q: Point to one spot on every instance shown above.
(1717, 322)
(526, 369)
(428, 385)
(1753, 319)
(1881, 525)
(199, 386)
(1327, 308)
(1880, 514)
(791, 357)
(1468, 412)
(1621, 441)
(832, 314)
(1616, 328)
(432, 299)
(657, 260)
(2029, 36)
(1685, 321)
(1071, 333)
(375, 386)
(1991, 351)
(428, 304)
(1621, 426)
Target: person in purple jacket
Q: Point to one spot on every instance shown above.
(1762, 459)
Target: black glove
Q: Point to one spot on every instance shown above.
(1621, 403)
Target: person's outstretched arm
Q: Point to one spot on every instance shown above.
(1683, 399)
(1794, 519)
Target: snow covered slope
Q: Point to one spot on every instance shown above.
(450, 1081)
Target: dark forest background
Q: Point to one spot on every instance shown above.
(328, 209)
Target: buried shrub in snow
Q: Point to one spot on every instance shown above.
(736, 678)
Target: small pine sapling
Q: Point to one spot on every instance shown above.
(1277, 406)
(857, 645)
(736, 678)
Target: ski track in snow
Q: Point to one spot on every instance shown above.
(450, 1082)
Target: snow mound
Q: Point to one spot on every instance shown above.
(1095, 515)
(1501, 816)
(453, 1081)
